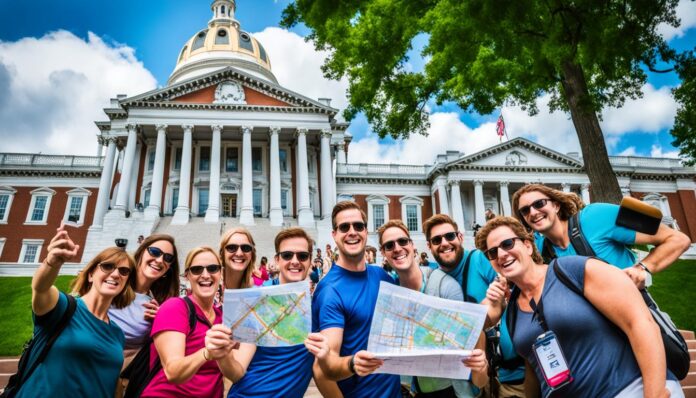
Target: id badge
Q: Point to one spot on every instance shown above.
(553, 364)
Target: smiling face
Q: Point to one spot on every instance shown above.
(512, 263)
(540, 220)
(152, 268)
(205, 285)
(293, 270)
(238, 260)
(109, 284)
(400, 257)
(448, 254)
(352, 243)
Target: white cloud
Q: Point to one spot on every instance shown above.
(658, 152)
(686, 11)
(652, 113)
(54, 88)
(297, 66)
(630, 151)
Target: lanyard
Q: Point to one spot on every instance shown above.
(538, 309)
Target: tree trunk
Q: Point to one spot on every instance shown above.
(603, 182)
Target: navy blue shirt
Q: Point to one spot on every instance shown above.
(346, 299)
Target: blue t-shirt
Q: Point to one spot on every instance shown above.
(481, 275)
(276, 372)
(608, 240)
(85, 361)
(346, 299)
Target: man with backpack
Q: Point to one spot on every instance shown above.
(549, 212)
(474, 274)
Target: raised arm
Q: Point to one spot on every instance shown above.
(612, 294)
(44, 295)
(669, 245)
(495, 300)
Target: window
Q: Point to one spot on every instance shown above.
(77, 205)
(257, 202)
(262, 53)
(6, 196)
(2, 245)
(310, 164)
(31, 249)
(175, 198)
(183, 51)
(232, 160)
(146, 200)
(199, 41)
(411, 212)
(245, 41)
(283, 156)
(377, 216)
(412, 217)
(204, 159)
(256, 163)
(222, 37)
(284, 202)
(75, 208)
(177, 158)
(202, 201)
(151, 159)
(222, 10)
(40, 205)
(377, 211)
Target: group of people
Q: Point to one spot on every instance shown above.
(130, 303)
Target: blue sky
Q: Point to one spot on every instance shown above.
(148, 35)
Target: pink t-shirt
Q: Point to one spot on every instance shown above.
(207, 382)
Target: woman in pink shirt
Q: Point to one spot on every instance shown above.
(189, 362)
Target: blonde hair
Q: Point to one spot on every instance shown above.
(81, 284)
(196, 251)
(246, 275)
(569, 203)
(517, 228)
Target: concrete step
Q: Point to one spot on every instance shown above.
(690, 379)
(692, 354)
(691, 344)
(689, 392)
(688, 334)
(8, 365)
(692, 366)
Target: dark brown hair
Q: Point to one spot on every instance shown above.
(569, 203)
(517, 228)
(436, 220)
(293, 232)
(81, 284)
(166, 286)
(346, 205)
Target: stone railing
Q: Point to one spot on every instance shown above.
(30, 160)
(633, 161)
(376, 169)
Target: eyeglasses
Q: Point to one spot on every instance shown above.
(390, 245)
(108, 268)
(288, 255)
(156, 252)
(357, 226)
(506, 245)
(232, 248)
(537, 204)
(436, 240)
(198, 269)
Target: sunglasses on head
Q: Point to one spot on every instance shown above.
(156, 252)
(390, 245)
(198, 269)
(506, 245)
(358, 226)
(288, 255)
(537, 204)
(449, 236)
(108, 268)
(233, 247)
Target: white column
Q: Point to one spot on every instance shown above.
(479, 210)
(341, 156)
(305, 217)
(442, 195)
(212, 215)
(134, 177)
(126, 171)
(585, 192)
(505, 198)
(565, 187)
(276, 212)
(182, 212)
(105, 184)
(246, 214)
(625, 190)
(457, 210)
(327, 195)
(153, 209)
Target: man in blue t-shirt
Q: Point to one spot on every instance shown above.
(278, 371)
(445, 243)
(546, 211)
(342, 309)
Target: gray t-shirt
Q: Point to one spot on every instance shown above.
(131, 320)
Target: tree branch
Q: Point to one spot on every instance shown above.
(651, 69)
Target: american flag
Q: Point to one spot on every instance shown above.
(500, 127)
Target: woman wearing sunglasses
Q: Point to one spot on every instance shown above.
(609, 342)
(87, 356)
(189, 366)
(238, 254)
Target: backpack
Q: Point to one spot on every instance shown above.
(138, 372)
(676, 349)
(16, 380)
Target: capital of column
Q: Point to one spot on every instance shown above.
(300, 131)
(187, 127)
(216, 128)
(478, 183)
(453, 182)
(585, 186)
(130, 127)
(341, 147)
(247, 129)
(275, 130)
(326, 133)
(161, 127)
(502, 184)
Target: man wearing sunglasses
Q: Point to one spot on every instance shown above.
(342, 309)
(474, 273)
(546, 211)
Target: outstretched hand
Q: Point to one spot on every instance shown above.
(219, 342)
(498, 291)
(61, 248)
(318, 345)
(477, 361)
(365, 363)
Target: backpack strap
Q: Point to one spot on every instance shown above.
(577, 238)
(465, 278)
(547, 251)
(563, 277)
(193, 316)
(511, 319)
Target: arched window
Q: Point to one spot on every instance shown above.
(262, 53)
(199, 41)
(222, 37)
(245, 41)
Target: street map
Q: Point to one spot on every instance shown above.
(272, 316)
(421, 335)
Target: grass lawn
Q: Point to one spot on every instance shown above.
(674, 290)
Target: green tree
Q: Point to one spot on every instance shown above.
(482, 54)
(684, 129)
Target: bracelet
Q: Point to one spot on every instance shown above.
(351, 364)
(645, 267)
(204, 356)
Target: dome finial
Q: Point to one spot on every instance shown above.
(223, 9)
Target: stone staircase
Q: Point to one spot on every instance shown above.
(116, 226)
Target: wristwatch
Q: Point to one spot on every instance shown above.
(648, 274)
(351, 364)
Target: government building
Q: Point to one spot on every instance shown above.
(224, 144)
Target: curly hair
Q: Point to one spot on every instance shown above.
(246, 275)
(517, 228)
(569, 203)
(166, 286)
(81, 284)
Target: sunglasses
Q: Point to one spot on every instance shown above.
(233, 247)
(156, 252)
(108, 268)
(537, 204)
(390, 245)
(288, 255)
(506, 245)
(436, 240)
(357, 226)
(198, 269)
